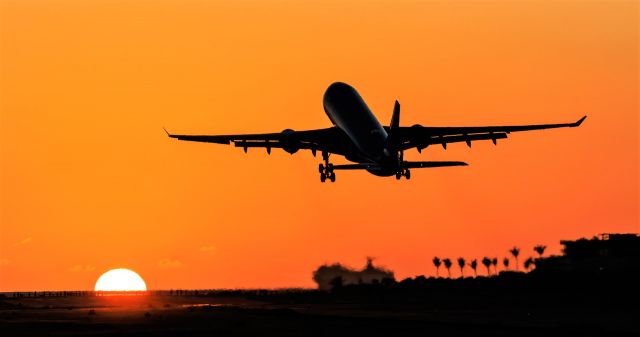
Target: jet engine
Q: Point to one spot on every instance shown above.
(289, 143)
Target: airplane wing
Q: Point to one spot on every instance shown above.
(330, 140)
(420, 137)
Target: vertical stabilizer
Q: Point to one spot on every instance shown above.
(395, 118)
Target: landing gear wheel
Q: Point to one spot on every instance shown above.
(407, 174)
(398, 175)
(326, 170)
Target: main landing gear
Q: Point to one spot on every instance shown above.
(326, 170)
(404, 172)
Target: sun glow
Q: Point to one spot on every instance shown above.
(120, 280)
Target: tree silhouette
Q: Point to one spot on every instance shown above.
(487, 263)
(515, 251)
(461, 264)
(540, 249)
(447, 264)
(505, 262)
(474, 266)
(528, 263)
(437, 263)
(494, 262)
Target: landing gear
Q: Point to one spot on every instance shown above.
(326, 170)
(404, 172)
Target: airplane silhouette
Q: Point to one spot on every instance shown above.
(357, 135)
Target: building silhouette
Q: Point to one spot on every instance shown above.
(329, 276)
(608, 253)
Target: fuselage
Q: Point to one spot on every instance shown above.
(348, 112)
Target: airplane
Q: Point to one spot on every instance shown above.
(359, 137)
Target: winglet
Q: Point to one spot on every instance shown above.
(167, 132)
(579, 121)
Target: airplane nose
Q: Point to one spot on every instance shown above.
(338, 85)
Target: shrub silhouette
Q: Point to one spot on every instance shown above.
(529, 263)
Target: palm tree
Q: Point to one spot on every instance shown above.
(494, 262)
(487, 263)
(540, 249)
(515, 251)
(437, 263)
(447, 264)
(461, 264)
(529, 263)
(474, 266)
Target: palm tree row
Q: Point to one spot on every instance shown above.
(488, 262)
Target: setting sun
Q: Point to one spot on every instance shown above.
(120, 280)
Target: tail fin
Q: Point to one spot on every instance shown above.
(395, 118)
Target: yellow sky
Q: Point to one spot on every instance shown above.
(90, 182)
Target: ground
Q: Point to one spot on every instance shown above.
(313, 313)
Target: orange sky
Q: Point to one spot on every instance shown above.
(90, 182)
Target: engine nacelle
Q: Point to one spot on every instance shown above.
(419, 148)
(289, 143)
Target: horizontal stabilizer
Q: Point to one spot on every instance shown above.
(354, 166)
(425, 164)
